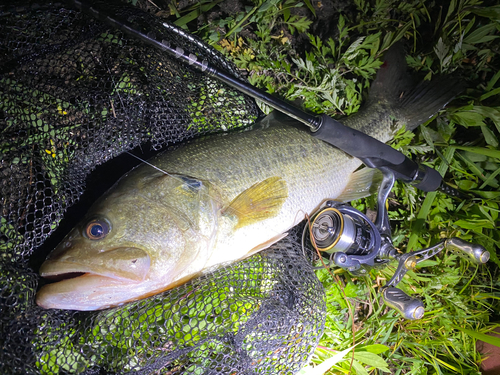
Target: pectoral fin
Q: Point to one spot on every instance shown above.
(259, 202)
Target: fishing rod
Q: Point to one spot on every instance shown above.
(340, 232)
(370, 151)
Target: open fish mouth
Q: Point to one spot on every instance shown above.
(64, 276)
(129, 264)
(93, 282)
(60, 271)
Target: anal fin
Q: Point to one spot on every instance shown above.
(266, 244)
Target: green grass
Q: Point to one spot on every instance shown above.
(332, 76)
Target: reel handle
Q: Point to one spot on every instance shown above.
(410, 308)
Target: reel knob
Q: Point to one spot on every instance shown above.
(410, 308)
(473, 252)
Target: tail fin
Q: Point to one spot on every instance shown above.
(428, 97)
(392, 78)
(414, 104)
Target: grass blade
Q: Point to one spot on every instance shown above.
(481, 336)
(481, 150)
(327, 364)
(418, 226)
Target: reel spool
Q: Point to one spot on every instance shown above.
(340, 228)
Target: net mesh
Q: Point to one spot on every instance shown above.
(75, 94)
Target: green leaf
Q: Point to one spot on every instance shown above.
(371, 359)
(481, 35)
(310, 7)
(360, 370)
(490, 93)
(376, 348)
(489, 136)
(481, 150)
(466, 184)
(350, 290)
(474, 224)
(492, 81)
(286, 14)
(266, 6)
(492, 113)
(195, 13)
(431, 136)
(487, 194)
(492, 12)
(491, 180)
(468, 118)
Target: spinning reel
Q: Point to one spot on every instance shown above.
(353, 242)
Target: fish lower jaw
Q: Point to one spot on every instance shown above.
(94, 292)
(85, 292)
(73, 275)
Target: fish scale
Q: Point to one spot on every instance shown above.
(235, 162)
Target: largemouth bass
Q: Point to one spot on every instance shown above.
(219, 200)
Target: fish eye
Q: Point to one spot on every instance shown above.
(97, 229)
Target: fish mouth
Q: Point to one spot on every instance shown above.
(60, 276)
(85, 292)
(64, 276)
(129, 264)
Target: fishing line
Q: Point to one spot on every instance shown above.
(370, 151)
(222, 204)
(176, 177)
(155, 167)
(124, 107)
(125, 110)
(341, 287)
(152, 165)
